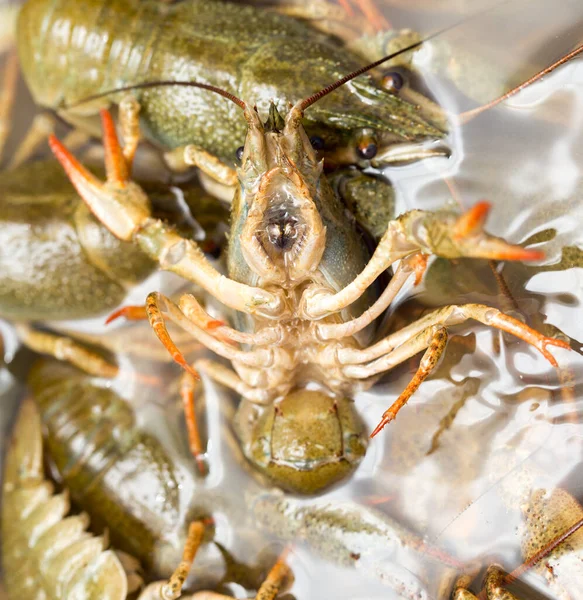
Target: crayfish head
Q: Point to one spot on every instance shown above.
(307, 441)
(282, 236)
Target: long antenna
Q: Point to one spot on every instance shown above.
(153, 84)
(318, 95)
(303, 104)
(468, 115)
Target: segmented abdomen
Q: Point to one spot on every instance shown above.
(45, 554)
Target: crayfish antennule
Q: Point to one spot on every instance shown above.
(473, 220)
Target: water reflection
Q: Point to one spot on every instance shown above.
(492, 424)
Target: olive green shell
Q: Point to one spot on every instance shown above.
(72, 50)
(308, 441)
(121, 476)
(47, 553)
(56, 260)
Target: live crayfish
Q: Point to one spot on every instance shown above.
(210, 43)
(47, 554)
(295, 269)
(93, 444)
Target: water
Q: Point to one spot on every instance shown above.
(492, 422)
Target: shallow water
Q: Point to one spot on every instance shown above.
(457, 486)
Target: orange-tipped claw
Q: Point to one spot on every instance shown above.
(80, 177)
(472, 221)
(131, 313)
(518, 253)
(120, 204)
(529, 335)
(116, 165)
(468, 232)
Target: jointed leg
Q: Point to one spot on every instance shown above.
(123, 207)
(157, 303)
(187, 385)
(43, 125)
(430, 332)
(193, 311)
(454, 315)
(172, 589)
(280, 573)
(185, 157)
(193, 542)
(428, 362)
(441, 233)
(227, 377)
(334, 331)
(67, 350)
(129, 111)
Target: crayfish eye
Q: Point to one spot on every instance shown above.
(239, 153)
(317, 142)
(368, 150)
(392, 81)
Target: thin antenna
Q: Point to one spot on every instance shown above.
(470, 114)
(318, 95)
(153, 84)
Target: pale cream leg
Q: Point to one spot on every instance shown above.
(227, 377)
(447, 317)
(64, 348)
(157, 303)
(181, 159)
(335, 331)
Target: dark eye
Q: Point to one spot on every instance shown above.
(239, 152)
(367, 151)
(393, 81)
(317, 142)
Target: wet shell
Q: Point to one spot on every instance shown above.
(45, 554)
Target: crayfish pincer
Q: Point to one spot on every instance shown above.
(304, 286)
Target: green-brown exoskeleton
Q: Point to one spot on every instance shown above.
(302, 282)
(256, 54)
(58, 262)
(118, 476)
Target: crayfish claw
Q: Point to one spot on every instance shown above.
(472, 221)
